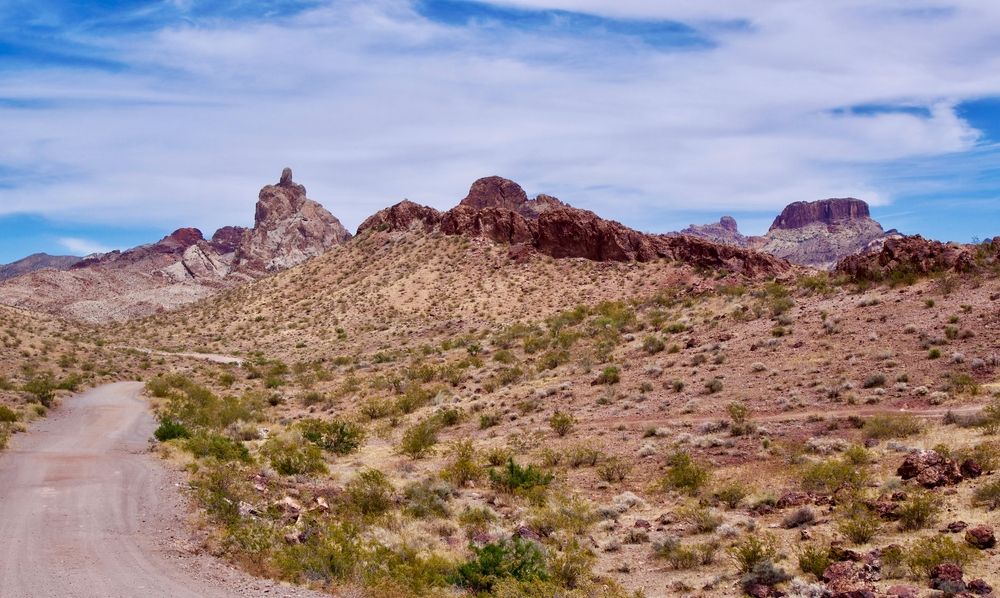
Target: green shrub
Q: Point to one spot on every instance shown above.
(685, 475)
(427, 499)
(859, 524)
(875, 380)
(680, 556)
(292, 454)
(833, 474)
(610, 375)
(419, 439)
(489, 420)
(614, 470)
(814, 559)
(884, 427)
(369, 493)
(515, 559)
(464, 466)
(653, 345)
(204, 444)
(414, 398)
(920, 509)
(701, 518)
(732, 494)
(562, 423)
(753, 550)
(515, 479)
(583, 455)
(335, 436)
(42, 387)
(923, 555)
(8, 415)
(170, 429)
(987, 495)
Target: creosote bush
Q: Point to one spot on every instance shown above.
(335, 436)
(685, 475)
(562, 423)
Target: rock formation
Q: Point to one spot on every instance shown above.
(724, 231)
(288, 229)
(906, 256)
(36, 262)
(820, 233)
(499, 210)
(183, 266)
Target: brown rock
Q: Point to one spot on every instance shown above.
(929, 469)
(403, 216)
(820, 233)
(228, 238)
(725, 232)
(910, 254)
(947, 577)
(826, 211)
(971, 469)
(981, 537)
(979, 587)
(902, 591)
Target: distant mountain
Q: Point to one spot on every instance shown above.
(183, 267)
(499, 210)
(817, 233)
(36, 262)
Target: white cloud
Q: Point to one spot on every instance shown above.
(370, 103)
(78, 246)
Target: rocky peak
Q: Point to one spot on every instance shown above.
(289, 228)
(724, 231)
(179, 240)
(505, 194)
(824, 211)
(728, 223)
(227, 239)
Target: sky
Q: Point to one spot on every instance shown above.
(122, 120)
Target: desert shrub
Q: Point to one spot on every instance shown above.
(833, 474)
(753, 550)
(572, 565)
(332, 552)
(335, 436)
(42, 387)
(197, 406)
(990, 422)
(427, 499)
(516, 559)
(934, 353)
(170, 429)
(920, 509)
(874, 381)
(464, 465)
(739, 413)
(923, 555)
(291, 454)
(376, 408)
(987, 495)
(653, 345)
(614, 470)
(713, 386)
(219, 487)
(4, 436)
(413, 398)
(562, 423)
(764, 573)
(582, 455)
(550, 360)
(883, 427)
(859, 523)
(814, 559)
(732, 494)
(205, 444)
(419, 439)
(680, 556)
(685, 475)
(369, 493)
(702, 519)
(516, 479)
(572, 514)
(610, 375)
(798, 518)
(8, 415)
(489, 420)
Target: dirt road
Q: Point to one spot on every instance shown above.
(86, 511)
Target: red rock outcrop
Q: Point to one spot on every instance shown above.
(183, 266)
(912, 255)
(825, 211)
(499, 210)
(288, 229)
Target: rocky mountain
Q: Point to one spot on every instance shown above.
(499, 210)
(36, 262)
(724, 231)
(184, 266)
(816, 233)
(820, 233)
(905, 257)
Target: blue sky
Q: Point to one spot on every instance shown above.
(125, 119)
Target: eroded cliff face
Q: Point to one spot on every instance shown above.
(184, 266)
(499, 210)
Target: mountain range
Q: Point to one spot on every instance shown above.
(289, 229)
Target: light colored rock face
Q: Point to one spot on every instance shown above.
(183, 267)
(289, 229)
(821, 233)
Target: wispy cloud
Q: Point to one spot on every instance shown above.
(655, 108)
(82, 246)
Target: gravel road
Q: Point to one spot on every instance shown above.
(87, 511)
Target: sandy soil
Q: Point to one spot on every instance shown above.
(87, 511)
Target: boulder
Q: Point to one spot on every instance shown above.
(981, 537)
(929, 469)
